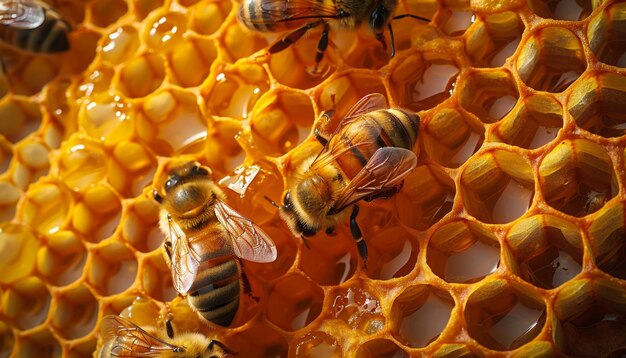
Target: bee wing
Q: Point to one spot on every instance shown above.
(249, 240)
(282, 11)
(23, 14)
(185, 260)
(130, 340)
(385, 169)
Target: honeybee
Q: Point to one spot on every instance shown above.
(34, 26)
(205, 237)
(299, 16)
(123, 338)
(367, 157)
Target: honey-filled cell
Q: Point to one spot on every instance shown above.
(119, 44)
(329, 259)
(315, 344)
(141, 75)
(7, 340)
(206, 16)
(191, 60)
(164, 30)
(46, 207)
(392, 253)
(359, 308)
(294, 302)
(97, 214)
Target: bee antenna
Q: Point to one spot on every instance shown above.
(411, 16)
(271, 202)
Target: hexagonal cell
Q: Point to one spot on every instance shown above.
(156, 278)
(237, 42)
(463, 252)
(164, 30)
(392, 253)
(287, 251)
(98, 214)
(429, 193)
(206, 17)
(107, 117)
(489, 94)
(34, 73)
(315, 344)
(62, 260)
(33, 155)
(37, 344)
(46, 207)
(233, 93)
(607, 35)
(360, 49)
(105, 12)
(18, 247)
(551, 59)
(260, 340)
(577, 177)
(380, 347)
(498, 186)
(113, 268)
(190, 62)
(27, 303)
(570, 10)
(141, 75)
(359, 308)
(294, 302)
(76, 313)
(455, 18)
(547, 251)
(493, 38)
(280, 121)
(81, 163)
(416, 305)
(7, 340)
(93, 82)
(591, 318)
(329, 260)
(532, 124)
(597, 104)
(25, 118)
(57, 103)
(607, 234)
(9, 195)
(141, 8)
(503, 315)
(423, 80)
(119, 45)
(131, 169)
(140, 225)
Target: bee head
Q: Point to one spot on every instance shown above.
(293, 218)
(185, 189)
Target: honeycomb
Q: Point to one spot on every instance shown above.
(508, 239)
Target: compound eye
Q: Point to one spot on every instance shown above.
(157, 197)
(171, 182)
(378, 21)
(199, 170)
(287, 202)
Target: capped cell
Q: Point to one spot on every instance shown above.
(607, 35)
(607, 234)
(27, 303)
(359, 308)
(112, 269)
(294, 302)
(493, 38)
(489, 94)
(75, 314)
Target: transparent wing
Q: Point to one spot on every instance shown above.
(130, 340)
(385, 169)
(273, 11)
(249, 240)
(22, 14)
(185, 260)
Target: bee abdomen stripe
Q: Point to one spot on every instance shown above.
(212, 299)
(222, 315)
(214, 274)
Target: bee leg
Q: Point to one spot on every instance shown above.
(384, 194)
(320, 138)
(305, 241)
(322, 45)
(247, 287)
(356, 234)
(168, 327)
(222, 346)
(292, 37)
(391, 40)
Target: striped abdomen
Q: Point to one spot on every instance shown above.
(49, 37)
(377, 129)
(215, 291)
(271, 16)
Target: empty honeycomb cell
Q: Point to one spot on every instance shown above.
(607, 234)
(551, 59)
(26, 303)
(113, 268)
(597, 104)
(455, 18)
(75, 314)
(294, 302)
(94, 82)
(423, 80)
(120, 44)
(234, 92)
(429, 192)
(315, 344)
(156, 278)
(132, 170)
(7, 340)
(164, 31)
(9, 195)
(489, 94)
(450, 138)
(46, 207)
(414, 306)
(83, 44)
(81, 163)
(577, 177)
(40, 343)
(380, 347)
(497, 186)
(286, 248)
(392, 253)
(503, 315)
(359, 308)
(592, 318)
(329, 259)
(35, 73)
(25, 118)
(190, 61)
(463, 252)
(570, 10)
(237, 42)
(607, 35)
(98, 214)
(18, 247)
(547, 251)
(170, 121)
(140, 225)
(493, 38)
(260, 340)
(107, 117)
(281, 121)
(62, 260)
(532, 124)
(141, 75)
(106, 12)
(206, 16)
